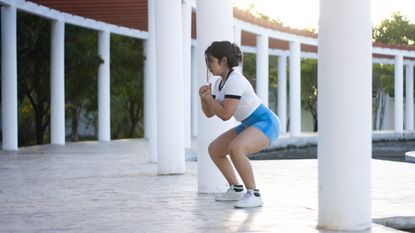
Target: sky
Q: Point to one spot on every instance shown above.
(304, 13)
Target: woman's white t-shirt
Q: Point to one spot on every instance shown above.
(237, 87)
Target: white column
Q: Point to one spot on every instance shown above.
(262, 74)
(187, 68)
(237, 38)
(295, 89)
(195, 93)
(57, 83)
(282, 92)
(409, 98)
(170, 107)
(9, 78)
(398, 121)
(237, 35)
(344, 115)
(104, 120)
(209, 178)
(150, 83)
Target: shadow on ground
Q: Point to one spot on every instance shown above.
(385, 150)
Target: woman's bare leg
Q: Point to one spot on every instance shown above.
(218, 151)
(251, 140)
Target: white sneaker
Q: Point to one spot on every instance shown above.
(229, 195)
(249, 200)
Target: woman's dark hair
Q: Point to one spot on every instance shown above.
(221, 49)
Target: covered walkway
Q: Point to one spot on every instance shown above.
(111, 187)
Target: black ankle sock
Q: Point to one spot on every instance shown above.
(238, 187)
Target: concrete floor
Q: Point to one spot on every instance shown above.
(110, 187)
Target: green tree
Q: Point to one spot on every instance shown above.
(395, 30)
(81, 62)
(33, 49)
(127, 87)
(273, 83)
(382, 85)
(81, 75)
(252, 11)
(309, 88)
(249, 67)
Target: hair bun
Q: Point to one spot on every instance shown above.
(237, 52)
(220, 49)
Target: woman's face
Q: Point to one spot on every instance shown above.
(214, 65)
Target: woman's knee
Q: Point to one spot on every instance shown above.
(235, 149)
(213, 151)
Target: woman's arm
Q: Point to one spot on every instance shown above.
(205, 91)
(206, 109)
(225, 111)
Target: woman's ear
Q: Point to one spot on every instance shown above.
(224, 60)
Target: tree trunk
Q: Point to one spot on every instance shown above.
(40, 132)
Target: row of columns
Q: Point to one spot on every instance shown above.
(262, 80)
(344, 161)
(295, 87)
(57, 79)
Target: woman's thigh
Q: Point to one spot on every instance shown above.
(219, 146)
(250, 140)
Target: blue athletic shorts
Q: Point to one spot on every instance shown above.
(264, 120)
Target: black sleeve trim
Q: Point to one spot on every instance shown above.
(233, 97)
(214, 96)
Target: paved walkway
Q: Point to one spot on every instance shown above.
(110, 187)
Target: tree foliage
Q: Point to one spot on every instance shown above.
(81, 78)
(252, 11)
(127, 61)
(249, 67)
(127, 87)
(382, 86)
(395, 30)
(309, 88)
(273, 83)
(33, 49)
(81, 82)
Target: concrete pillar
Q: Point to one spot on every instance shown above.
(398, 121)
(295, 88)
(150, 83)
(57, 83)
(170, 107)
(344, 115)
(9, 78)
(262, 73)
(409, 98)
(282, 92)
(209, 178)
(237, 38)
(237, 35)
(187, 68)
(104, 116)
(195, 93)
